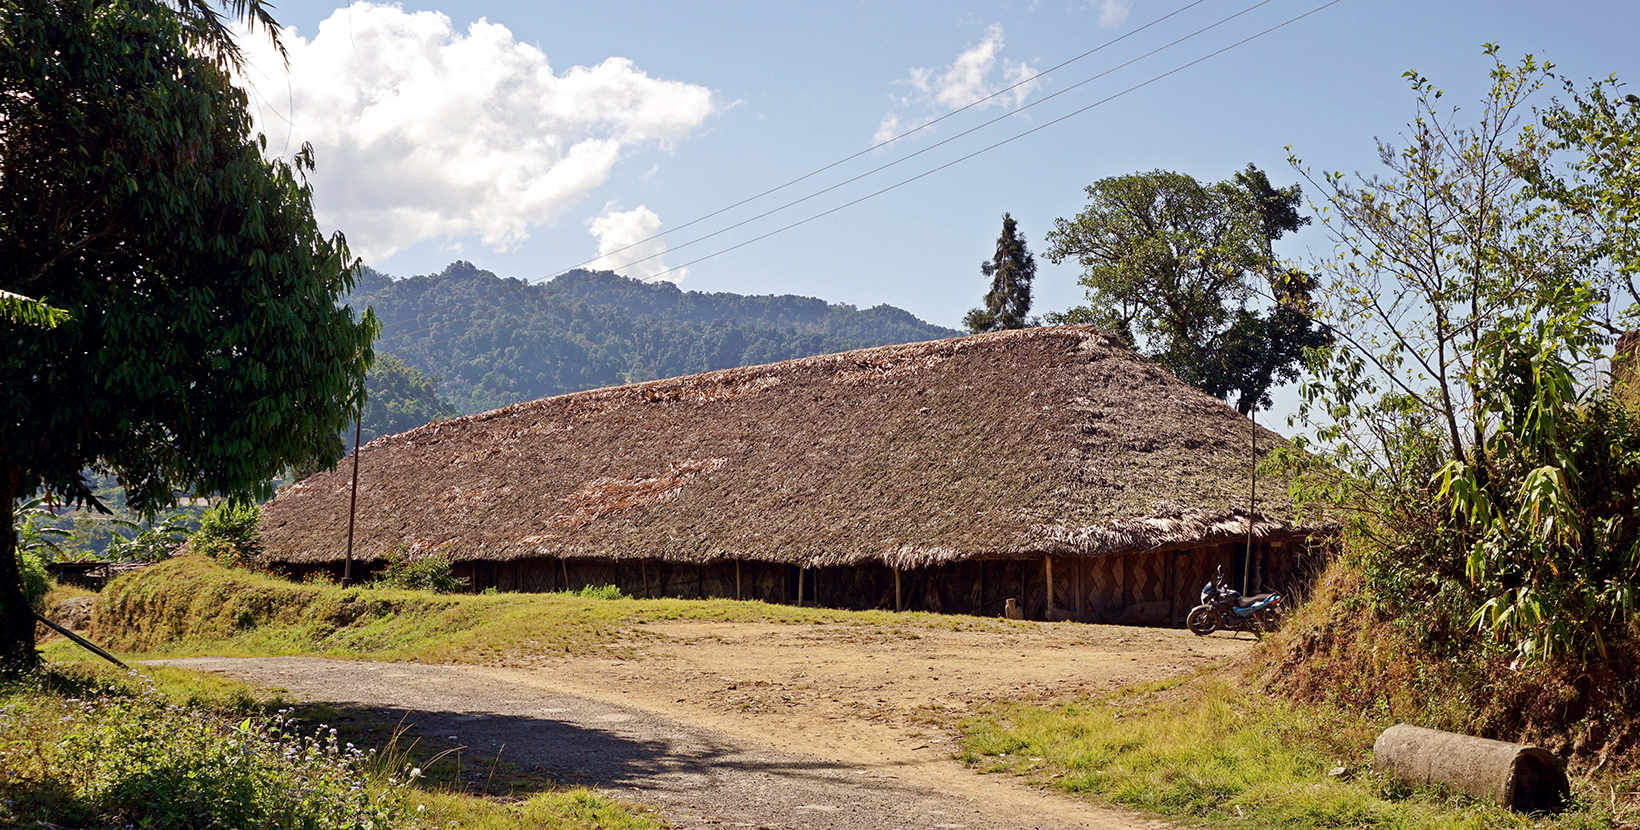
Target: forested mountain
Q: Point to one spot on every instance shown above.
(492, 341)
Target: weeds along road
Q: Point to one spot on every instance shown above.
(764, 725)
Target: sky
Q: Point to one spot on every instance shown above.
(531, 138)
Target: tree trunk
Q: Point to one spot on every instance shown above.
(17, 654)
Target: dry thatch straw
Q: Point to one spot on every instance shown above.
(1010, 444)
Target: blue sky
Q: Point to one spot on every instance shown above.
(520, 135)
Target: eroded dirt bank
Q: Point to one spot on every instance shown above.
(768, 725)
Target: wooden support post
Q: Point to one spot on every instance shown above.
(1170, 584)
(1047, 566)
(981, 607)
(898, 605)
(563, 569)
(1076, 586)
(1127, 580)
(643, 571)
(737, 579)
(801, 572)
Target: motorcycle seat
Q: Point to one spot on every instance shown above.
(1256, 599)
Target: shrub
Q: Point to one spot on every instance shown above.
(117, 759)
(601, 592)
(36, 582)
(230, 534)
(425, 573)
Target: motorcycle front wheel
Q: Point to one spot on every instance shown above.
(1202, 621)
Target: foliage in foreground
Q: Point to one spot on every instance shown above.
(1489, 579)
(1216, 751)
(1490, 488)
(38, 782)
(113, 757)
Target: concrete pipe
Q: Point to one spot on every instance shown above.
(1516, 776)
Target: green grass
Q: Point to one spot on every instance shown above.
(191, 606)
(1211, 751)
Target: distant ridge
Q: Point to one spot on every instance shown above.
(585, 330)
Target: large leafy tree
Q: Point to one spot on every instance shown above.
(1175, 267)
(1492, 485)
(202, 349)
(1011, 270)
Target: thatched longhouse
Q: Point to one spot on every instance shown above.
(950, 475)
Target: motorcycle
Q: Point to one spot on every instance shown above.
(1224, 607)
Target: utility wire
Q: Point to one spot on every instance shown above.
(894, 186)
(847, 159)
(824, 191)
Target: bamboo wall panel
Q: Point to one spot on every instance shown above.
(1102, 587)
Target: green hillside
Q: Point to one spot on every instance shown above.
(493, 341)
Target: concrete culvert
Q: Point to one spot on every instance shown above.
(1517, 776)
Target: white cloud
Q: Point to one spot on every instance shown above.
(975, 75)
(423, 132)
(625, 237)
(1113, 12)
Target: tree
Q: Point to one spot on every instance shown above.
(1600, 126)
(1011, 270)
(1492, 491)
(16, 308)
(203, 349)
(1172, 267)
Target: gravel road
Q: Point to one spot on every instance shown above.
(699, 775)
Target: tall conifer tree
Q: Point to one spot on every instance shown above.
(1011, 270)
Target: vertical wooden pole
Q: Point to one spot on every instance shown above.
(352, 502)
(981, 607)
(1047, 566)
(1076, 586)
(737, 579)
(643, 572)
(898, 605)
(1252, 497)
(801, 572)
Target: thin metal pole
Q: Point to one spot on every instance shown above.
(1252, 498)
(352, 502)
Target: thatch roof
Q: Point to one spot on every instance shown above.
(1018, 443)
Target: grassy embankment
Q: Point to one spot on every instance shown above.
(1211, 750)
(190, 606)
(1233, 748)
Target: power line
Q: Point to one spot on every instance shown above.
(847, 159)
(880, 192)
(833, 187)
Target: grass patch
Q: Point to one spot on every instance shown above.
(1212, 751)
(191, 606)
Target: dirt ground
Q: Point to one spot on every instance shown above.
(771, 725)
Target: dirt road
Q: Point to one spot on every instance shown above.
(768, 725)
